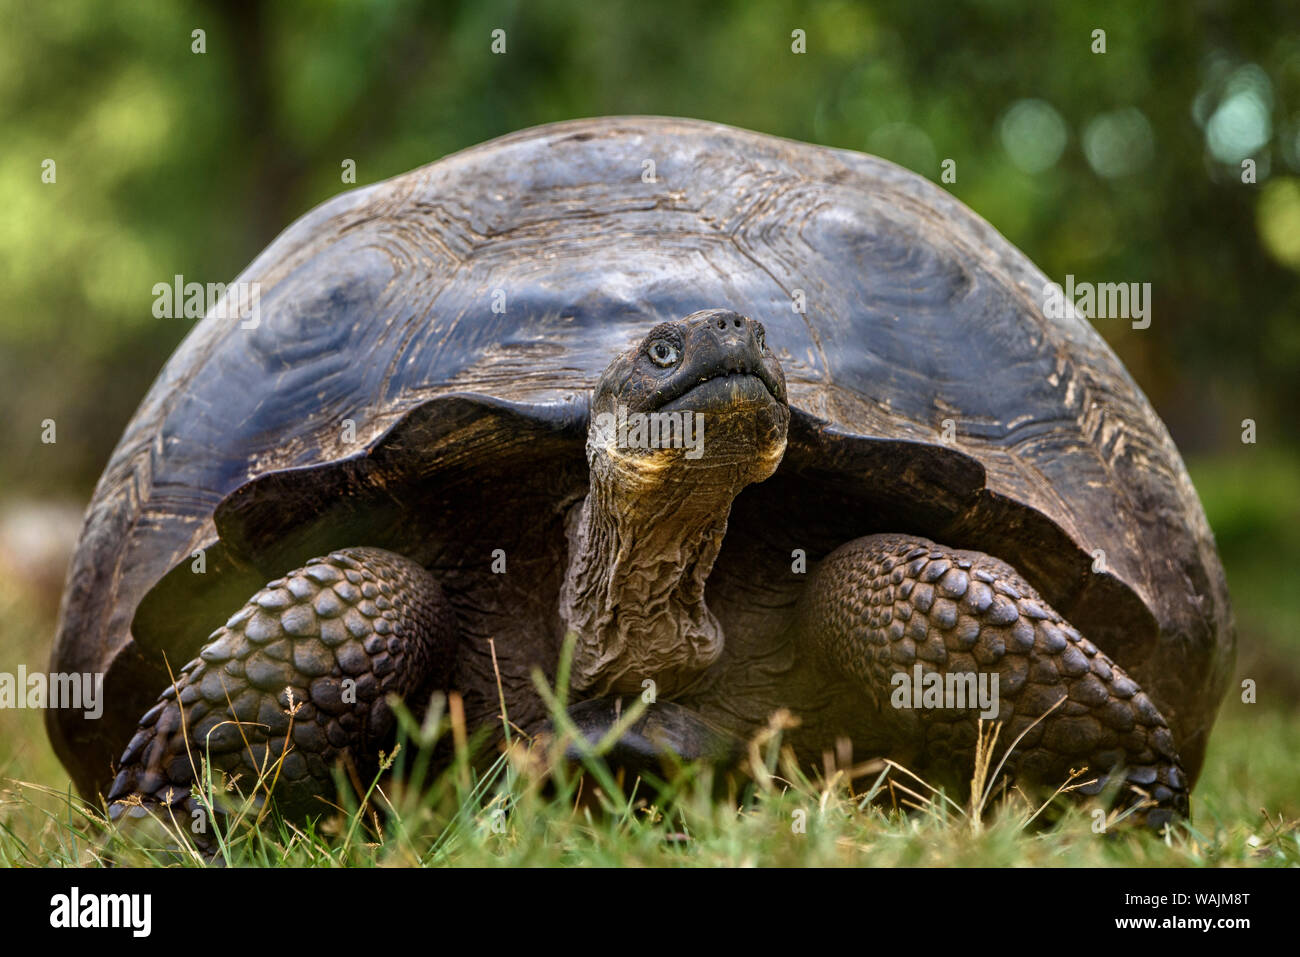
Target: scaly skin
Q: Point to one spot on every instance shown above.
(360, 613)
(878, 605)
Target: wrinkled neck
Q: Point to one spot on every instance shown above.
(641, 547)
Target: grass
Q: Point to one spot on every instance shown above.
(525, 808)
(528, 808)
(515, 813)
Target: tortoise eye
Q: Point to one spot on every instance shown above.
(663, 353)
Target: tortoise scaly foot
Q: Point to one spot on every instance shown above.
(879, 606)
(328, 642)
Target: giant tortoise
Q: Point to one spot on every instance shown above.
(760, 424)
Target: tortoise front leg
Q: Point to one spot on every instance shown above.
(880, 605)
(339, 635)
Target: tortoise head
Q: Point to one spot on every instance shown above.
(700, 401)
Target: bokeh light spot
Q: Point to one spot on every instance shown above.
(1277, 217)
(1118, 143)
(1033, 135)
(1241, 123)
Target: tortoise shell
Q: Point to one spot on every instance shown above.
(419, 380)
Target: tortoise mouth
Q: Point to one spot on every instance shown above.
(724, 391)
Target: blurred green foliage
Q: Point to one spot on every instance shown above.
(1115, 166)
